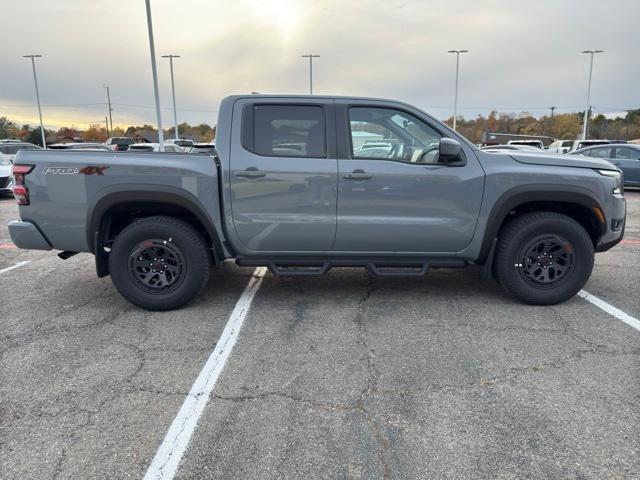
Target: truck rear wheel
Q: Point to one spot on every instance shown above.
(159, 263)
(543, 258)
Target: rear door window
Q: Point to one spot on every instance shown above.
(626, 153)
(285, 130)
(600, 152)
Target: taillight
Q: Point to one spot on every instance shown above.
(20, 191)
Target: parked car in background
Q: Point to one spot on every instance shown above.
(6, 179)
(119, 144)
(506, 148)
(209, 148)
(531, 143)
(80, 146)
(560, 146)
(155, 147)
(566, 146)
(181, 142)
(10, 148)
(625, 156)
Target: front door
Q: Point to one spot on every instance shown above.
(394, 195)
(628, 159)
(283, 176)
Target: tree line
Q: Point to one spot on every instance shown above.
(566, 126)
(563, 126)
(98, 133)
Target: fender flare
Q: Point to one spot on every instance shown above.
(138, 193)
(535, 193)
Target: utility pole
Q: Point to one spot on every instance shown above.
(106, 122)
(587, 105)
(154, 73)
(455, 98)
(310, 56)
(35, 81)
(173, 92)
(109, 109)
(552, 109)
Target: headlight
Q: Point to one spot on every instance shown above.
(617, 176)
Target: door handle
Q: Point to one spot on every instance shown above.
(251, 172)
(357, 175)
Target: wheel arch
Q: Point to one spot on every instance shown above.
(168, 201)
(577, 203)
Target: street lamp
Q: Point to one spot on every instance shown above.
(587, 107)
(310, 56)
(110, 110)
(35, 81)
(154, 73)
(173, 91)
(455, 101)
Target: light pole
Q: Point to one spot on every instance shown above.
(455, 98)
(154, 73)
(35, 80)
(173, 91)
(587, 107)
(110, 124)
(310, 56)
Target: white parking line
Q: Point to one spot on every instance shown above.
(167, 458)
(19, 264)
(610, 309)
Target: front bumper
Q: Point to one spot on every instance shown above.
(26, 235)
(616, 212)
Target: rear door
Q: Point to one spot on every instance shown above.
(283, 175)
(394, 195)
(628, 159)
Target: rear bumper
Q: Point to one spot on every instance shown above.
(26, 235)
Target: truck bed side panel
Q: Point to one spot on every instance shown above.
(65, 187)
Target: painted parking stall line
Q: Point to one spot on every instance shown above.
(17, 265)
(610, 309)
(167, 459)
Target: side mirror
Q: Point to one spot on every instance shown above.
(450, 152)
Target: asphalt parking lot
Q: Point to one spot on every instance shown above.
(342, 376)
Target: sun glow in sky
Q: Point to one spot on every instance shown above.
(521, 59)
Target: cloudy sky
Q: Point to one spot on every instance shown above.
(524, 55)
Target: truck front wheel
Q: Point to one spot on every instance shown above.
(159, 263)
(543, 258)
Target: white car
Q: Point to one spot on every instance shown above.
(155, 147)
(6, 180)
(566, 146)
(181, 142)
(8, 151)
(531, 143)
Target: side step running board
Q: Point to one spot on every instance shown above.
(378, 267)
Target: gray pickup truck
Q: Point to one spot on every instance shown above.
(301, 184)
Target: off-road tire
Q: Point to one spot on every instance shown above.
(187, 263)
(515, 271)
